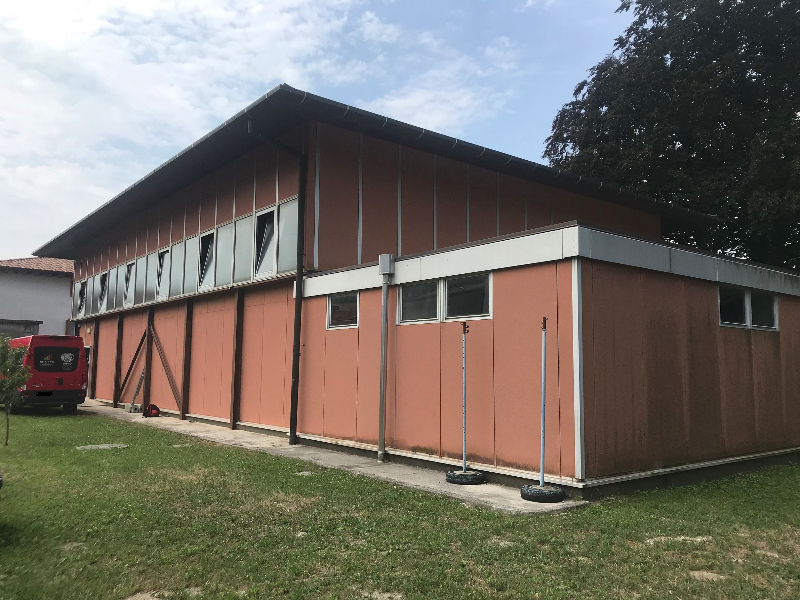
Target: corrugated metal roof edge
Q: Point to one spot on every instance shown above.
(398, 132)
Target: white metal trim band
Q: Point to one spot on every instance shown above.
(559, 244)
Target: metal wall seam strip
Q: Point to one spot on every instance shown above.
(434, 203)
(577, 369)
(360, 193)
(316, 198)
(399, 200)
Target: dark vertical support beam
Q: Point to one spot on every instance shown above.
(302, 159)
(187, 357)
(298, 298)
(118, 359)
(236, 379)
(95, 338)
(148, 358)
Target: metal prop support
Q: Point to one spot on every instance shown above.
(464, 332)
(544, 375)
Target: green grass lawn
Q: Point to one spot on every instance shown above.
(186, 518)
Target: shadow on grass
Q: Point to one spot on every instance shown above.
(10, 535)
(42, 411)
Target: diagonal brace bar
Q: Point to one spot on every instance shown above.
(133, 362)
(167, 370)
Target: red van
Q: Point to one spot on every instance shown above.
(59, 372)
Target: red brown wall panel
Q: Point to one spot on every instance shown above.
(169, 323)
(288, 167)
(312, 367)
(480, 391)
(266, 160)
(338, 198)
(521, 298)
(789, 322)
(212, 356)
(311, 174)
(417, 417)
(152, 221)
(665, 384)
(512, 194)
(369, 366)
(379, 199)
(416, 183)
(226, 189)
(134, 327)
(540, 210)
(192, 197)
(265, 363)
(177, 207)
(165, 222)
(341, 383)
(245, 184)
(451, 203)
(208, 202)
(105, 356)
(482, 204)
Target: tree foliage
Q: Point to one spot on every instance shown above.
(699, 104)
(13, 375)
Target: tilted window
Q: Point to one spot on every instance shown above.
(265, 243)
(467, 296)
(343, 310)
(419, 301)
(207, 260)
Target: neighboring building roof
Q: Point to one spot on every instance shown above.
(285, 107)
(46, 265)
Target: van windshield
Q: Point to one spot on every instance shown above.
(55, 359)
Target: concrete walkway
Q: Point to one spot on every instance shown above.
(489, 495)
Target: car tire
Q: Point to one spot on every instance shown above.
(546, 493)
(465, 477)
(70, 409)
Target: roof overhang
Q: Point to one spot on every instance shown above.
(283, 108)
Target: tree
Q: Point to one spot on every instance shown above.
(13, 375)
(699, 104)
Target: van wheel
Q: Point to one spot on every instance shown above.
(70, 409)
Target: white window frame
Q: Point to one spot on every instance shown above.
(328, 325)
(441, 301)
(748, 310)
(436, 319)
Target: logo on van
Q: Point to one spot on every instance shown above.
(67, 357)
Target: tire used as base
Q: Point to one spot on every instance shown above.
(465, 477)
(546, 493)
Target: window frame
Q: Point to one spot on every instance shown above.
(441, 300)
(748, 309)
(439, 307)
(254, 268)
(203, 287)
(328, 326)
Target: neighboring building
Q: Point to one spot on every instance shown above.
(659, 357)
(34, 296)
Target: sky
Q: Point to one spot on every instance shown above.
(94, 94)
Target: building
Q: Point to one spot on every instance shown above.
(660, 358)
(34, 296)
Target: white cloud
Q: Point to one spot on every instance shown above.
(375, 30)
(502, 54)
(446, 98)
(541, 3)
(96, 93)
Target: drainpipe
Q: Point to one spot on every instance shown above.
(386, 269)
(302, 159)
